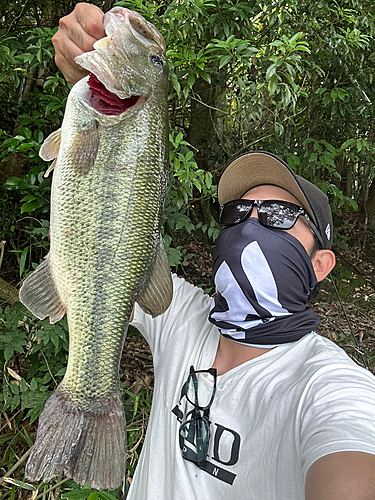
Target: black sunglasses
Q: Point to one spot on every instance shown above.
(195, 431)
(271, 213)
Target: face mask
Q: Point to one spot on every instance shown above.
(263, 279)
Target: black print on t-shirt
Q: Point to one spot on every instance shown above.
(226, 454)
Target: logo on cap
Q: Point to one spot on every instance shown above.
(328, 231)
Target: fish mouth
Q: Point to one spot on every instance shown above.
(142, 30)
(110, 56)
(106, 102)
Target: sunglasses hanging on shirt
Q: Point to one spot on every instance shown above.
(195, 431)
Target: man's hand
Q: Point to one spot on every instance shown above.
(77, 34)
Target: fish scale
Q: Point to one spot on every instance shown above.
(105, 259)
(107, 198)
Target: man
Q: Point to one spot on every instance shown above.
(250, 403)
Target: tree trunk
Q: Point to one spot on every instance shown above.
(370, 208)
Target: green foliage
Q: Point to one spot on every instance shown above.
(34, 96)
(185, 178)
(87, 493)
(289, 78)
(44, 349)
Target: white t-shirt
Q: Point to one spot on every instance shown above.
(271, 417)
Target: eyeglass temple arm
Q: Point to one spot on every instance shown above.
(314, 229)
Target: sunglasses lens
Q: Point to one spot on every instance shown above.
(278, 215)
(235, 212)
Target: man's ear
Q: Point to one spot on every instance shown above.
(323, 262)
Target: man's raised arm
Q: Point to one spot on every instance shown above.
(346, 475)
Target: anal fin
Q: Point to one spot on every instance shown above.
(39, 294)
(157, 295)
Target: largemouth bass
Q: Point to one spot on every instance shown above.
(108, 190)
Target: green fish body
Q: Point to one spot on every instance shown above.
(108, 191)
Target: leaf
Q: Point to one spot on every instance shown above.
(347, 144)
(79, 494)
(178, 139)
(205, 76)
(12, 182)
(303, 48)
(174, 259)
(175, 83)
(61, 372)
(277, 43)
(21, 484)
(272, 84)
(23, 386)
(29, 197)
(104, 495)
(30, 207)
(295, 37)
(270, 71)
(23, 260)
(39, 136)
(25, 132)
(224, 60)
(191, 79)
(8, 352)
(186, 91)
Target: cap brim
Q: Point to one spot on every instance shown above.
(255, 169)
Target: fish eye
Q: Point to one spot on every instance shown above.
(156, 61)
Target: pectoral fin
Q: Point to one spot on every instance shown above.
(39, 294)
(84, 148)
(50, 147)
(50, 168)
(157, 295)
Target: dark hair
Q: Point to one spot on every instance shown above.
(313, 251)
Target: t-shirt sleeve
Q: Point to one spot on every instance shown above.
(188, 300)
(338, 413)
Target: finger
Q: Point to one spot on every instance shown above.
(90, 18)
(71, 30)
(72, 72)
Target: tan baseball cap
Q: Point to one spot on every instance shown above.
(257, 168)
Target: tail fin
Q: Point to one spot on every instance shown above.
(85, 445)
